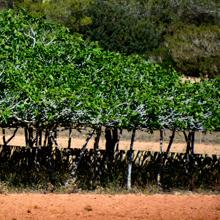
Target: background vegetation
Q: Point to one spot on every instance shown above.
(183, 33)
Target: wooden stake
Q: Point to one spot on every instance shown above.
(31, 137)
(192, 141)
(37, 136)
(26, 137)
(161, 141)
(97, 139)
(46, 137)
(119, 137)
(3, 133)
(69, 141)
(40, 137)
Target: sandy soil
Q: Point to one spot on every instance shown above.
(99, 207)
(200, 148)
(204, 143)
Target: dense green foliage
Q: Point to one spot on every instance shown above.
(50, 77)
(164, 31)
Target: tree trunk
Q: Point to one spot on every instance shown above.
(10, 4)
(112, 138)
(97, 139)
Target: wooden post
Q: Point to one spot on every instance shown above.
(161, 141)
(108, 141)
(97, 139)
(26, 137)
(188, 143)
(37, 137)
(3, 134)
(130, 159)
(46, 137)
(40, 137)
(119, 137)
(192, 141)
(70, 139)
(31, 137)
(50, 135)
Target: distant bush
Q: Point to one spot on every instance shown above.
(142, 27)
(124, 26)
(194, 50)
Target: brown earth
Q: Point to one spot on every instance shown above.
(104, 206)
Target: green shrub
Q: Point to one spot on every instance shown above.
(195, 50)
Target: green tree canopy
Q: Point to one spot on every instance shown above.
(51, 77)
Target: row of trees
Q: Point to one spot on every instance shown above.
(183, 33)
(49, 77)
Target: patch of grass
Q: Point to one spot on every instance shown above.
(3, 188)
(110, 189)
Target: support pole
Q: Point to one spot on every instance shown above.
(40, 137)
(161, 141)
(118, 140)
(4, 139)
(192, 141)
(46, 137)
(31, 137)
(26, 136)
(188, 150)
(130, 159)
(70, 139)
(97, 139)
(37, 137)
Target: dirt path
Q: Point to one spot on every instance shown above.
(100, 207)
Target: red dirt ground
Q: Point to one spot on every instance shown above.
(104, 206)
